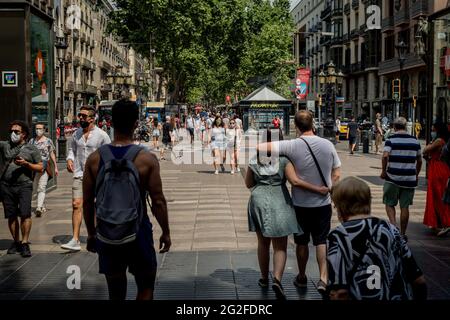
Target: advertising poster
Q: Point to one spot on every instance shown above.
(302, 83)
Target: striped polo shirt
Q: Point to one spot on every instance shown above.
(403, 151)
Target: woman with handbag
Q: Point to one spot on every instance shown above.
(47, 150)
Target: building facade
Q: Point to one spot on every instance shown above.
(26, 63)
(369, 58)
(308, 51)
(92, 54)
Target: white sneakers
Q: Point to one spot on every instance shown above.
(216, 172)
(238, 169)
(232, 171)
(72, 245)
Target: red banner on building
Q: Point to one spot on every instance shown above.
(302, 83)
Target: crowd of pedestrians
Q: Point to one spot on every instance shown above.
(112, 182)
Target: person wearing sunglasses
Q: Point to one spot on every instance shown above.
(18, 163)
(85, 140)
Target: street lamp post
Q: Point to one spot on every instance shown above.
(119, 78)
(330, 82)
(401, 50)
(61, 47)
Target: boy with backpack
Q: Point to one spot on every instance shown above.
(117, 179)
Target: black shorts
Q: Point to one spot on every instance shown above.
(315, 222)
(138, 257)
(351, 140)
(191, 131)
(16, 200)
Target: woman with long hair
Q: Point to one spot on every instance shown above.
(270, 210)
(234, 136)
(437, 213)
(155, 134)
(218, 144)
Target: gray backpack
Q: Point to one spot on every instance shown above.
(119, 205)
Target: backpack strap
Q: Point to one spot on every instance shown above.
(106, 153)
(132, 152)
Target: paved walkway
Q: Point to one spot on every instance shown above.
(213, 254)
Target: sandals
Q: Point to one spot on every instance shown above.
(278, 289)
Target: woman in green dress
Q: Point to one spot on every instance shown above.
(271, 213)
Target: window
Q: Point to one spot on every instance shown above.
(389, 47)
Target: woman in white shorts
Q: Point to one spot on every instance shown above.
(234, 136)
(218, 144)
(155, 135)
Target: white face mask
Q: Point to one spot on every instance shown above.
(39, 132)
(15, 138)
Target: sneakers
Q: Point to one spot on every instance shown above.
(216, 172)
(263, 283)
(232, 171)
(26, 252)
(72, 245)
(443, 232)
(321, 287)
(278, 289)
(238, 169)
(15, 248)
(300, 282)
(39, 212)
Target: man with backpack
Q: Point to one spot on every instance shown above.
(117, 179)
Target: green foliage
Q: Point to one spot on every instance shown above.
(210, 48)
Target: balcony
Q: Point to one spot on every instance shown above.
(326, 13)
(362, 29)
(419, 8)
(346, 37)
(392, 65)
(69, 86)
(346, 69)
(354, 34)
(387, 24)
(336, 12)
(76, 61)
(355, 4)
(336, 41)
(355, 67)
(86, 63)
(79, 88)
(319, 26)
(401, 17)
(347, 8)
(371, 62)
(106, 87)
(91, 89)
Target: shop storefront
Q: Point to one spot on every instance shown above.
(26, 64)
(262, 106)
(440, 73)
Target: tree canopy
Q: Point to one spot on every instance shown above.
(210, 48)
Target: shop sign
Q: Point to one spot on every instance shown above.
(264, 106)
(9, 79)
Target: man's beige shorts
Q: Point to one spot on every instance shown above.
(77, 188)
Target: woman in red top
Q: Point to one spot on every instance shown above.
(437, 213)
(276, 122)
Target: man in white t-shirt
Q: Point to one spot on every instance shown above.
(313, 210)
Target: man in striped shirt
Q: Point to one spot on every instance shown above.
(402, 162)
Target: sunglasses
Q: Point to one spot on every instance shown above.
(82, 115)
(15, 131)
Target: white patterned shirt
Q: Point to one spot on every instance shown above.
(81, 149)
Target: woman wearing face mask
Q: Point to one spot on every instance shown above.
(47, 150)
(218, 144)
(437, 213)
